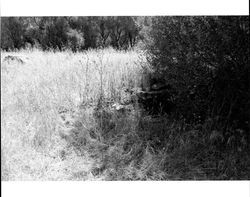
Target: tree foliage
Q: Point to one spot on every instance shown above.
(12, 33)
(76, 33)
(206, 60)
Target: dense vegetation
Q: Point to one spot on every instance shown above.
(206, 61)
(76, 33)
(174, 106)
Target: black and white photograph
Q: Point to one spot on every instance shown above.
(125, 98)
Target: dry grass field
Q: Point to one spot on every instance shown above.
(41, 99)
(61, 119)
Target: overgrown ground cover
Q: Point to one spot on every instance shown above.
(35, 94)
(60, 121)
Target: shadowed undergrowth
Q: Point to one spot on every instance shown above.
(131, 145)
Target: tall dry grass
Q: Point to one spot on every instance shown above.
(33, 94)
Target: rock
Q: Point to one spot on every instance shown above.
(13, 58)
(121, 108)
(118, 107)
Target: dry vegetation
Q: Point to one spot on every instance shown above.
(40, 101)
(59, 122)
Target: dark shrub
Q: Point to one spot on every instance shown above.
(206, 61)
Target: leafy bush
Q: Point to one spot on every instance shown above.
(205, 59)
(75, 40)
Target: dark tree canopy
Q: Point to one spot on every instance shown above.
(76, 33)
